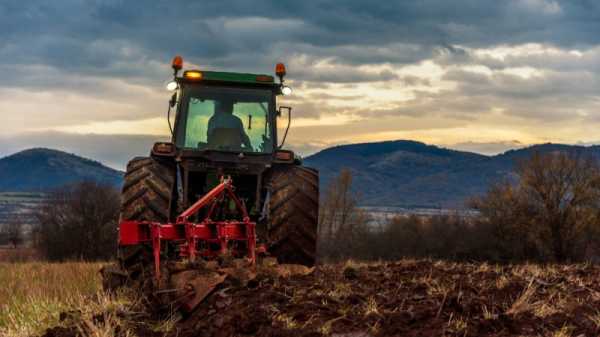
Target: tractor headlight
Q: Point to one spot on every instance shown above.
(172, 86)
(286, 91)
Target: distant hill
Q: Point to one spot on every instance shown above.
(413, 174)
(44, 169)
(394, 173)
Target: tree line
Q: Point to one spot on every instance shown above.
(549, 210)
(74, 222)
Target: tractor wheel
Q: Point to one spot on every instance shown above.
(146, 195)
(293, 214)
(148, 190)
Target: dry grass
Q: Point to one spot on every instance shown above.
(287, 321)
(33, 294)
(525, 301)
(371, 307)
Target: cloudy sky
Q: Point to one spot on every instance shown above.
(88, 76)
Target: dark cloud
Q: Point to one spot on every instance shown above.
(135, 40)
(97, 36)
(548, 97)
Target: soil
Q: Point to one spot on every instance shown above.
(404, 298)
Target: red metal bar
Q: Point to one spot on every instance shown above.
(133, 232)
(156, 237)
(205, 200)
(251, 241)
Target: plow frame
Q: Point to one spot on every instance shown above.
(189, 234)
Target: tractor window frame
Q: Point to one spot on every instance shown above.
(187, 91)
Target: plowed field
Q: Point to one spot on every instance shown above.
(404, 298)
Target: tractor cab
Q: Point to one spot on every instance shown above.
(225, 117)
(225, 125)
(224, 113)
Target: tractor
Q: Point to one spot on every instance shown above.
(223, 186)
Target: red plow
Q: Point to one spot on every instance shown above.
(186, 285)
(206, 238)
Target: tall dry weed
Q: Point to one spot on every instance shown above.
(34, 294)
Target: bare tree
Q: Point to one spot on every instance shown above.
(79, 221)
(15, 233)
(551, 211)
(342, 224)
(338, 205)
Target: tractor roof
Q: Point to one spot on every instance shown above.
(191, 76)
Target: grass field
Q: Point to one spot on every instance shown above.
(32, 295)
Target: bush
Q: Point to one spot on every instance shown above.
(79, 222)
(549, 211)
(343, 228)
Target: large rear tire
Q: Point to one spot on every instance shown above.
(148, 190)
(147, 195)
(293, 214)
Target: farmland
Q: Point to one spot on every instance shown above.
(33, 294)
(18, 205)
(406, 297)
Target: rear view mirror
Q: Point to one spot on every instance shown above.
(173, 100)
(172, 103)
(282, 109)
(289, 113)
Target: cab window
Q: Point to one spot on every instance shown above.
(227, 119)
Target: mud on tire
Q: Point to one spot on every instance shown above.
(293, 214)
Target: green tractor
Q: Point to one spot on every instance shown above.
(225, 127)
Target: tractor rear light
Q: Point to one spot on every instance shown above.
(163, 148)
(284, 155)
(193, 75)
(177, 63)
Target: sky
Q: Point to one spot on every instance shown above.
(88, 77)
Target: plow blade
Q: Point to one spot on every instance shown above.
(194, 286)
(186, 286)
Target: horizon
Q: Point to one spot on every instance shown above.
(121, 166)
(494, 76)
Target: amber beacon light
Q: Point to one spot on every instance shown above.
(177, 63)
(280, 70)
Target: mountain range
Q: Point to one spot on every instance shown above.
(39, 169)
(415, 175)
(393, 173)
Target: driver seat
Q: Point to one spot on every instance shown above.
(225, 139)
